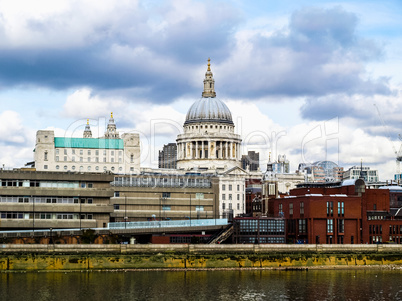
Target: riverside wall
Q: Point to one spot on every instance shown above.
(36, 257)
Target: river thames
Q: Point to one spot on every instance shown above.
(359, 284)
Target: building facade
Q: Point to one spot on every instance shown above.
(340, 214)
(156, 196)
(251, 161)
(87, 154)
(42, 200)
(355, 172)
(323, 171)
(167, 157)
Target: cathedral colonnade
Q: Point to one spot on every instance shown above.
(208, 149)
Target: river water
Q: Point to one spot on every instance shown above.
(360, 284)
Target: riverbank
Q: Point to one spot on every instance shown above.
(195, 257)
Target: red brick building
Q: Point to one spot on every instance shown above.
(347, 213)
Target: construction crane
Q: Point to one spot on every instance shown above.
(398, 154)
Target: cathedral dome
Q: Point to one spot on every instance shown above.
(209, 109)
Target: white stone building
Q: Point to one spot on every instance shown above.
(87, 154)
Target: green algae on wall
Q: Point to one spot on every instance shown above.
(32, 262)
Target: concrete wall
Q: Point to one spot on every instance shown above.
(88, 257)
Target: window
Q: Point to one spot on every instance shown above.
(166, 207)
(341, 226)
(238, 206)
(230, 187)
(57, 158)
(73, 151)
(166, 194)
(89, 159)
(238, 197)
(89, 152)
(330, 225)
(223, 206)
(302, 226)
(230, 206)
(90, 185)
(238, 187)
(112, 153)
(280, 208)
(291, 209)
(116, 193)
(57, 151)
(230, 196)
(83, 184)
(199, 208)
(81, 159)
(301, 208)
(46, 156)
(65, 158)
(73, 159)
(89, 201)
(132, 159)
(341, 208)
(330, 208)
(223, 197)
(57, 166)
(223, 187)
(81, 152)
(116, 206)
(44, 166)
(90, 216)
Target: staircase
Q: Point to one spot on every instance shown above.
(222, 236)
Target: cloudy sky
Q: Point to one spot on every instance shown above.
(314, 80)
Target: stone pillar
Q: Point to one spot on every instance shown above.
(220, 150)
(196, 149)
(202, 150)
(212, 149)
(226, 150)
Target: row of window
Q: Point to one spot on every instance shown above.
(89, 159)
(375, 229)
(46, 184)
(23, 215)
(179, 181)
(263, 240)
(211, 127)
(230, 206)
(44, 200)
(230, 186)
(88, 152)
(230, 197)
(330, 208)
(265, 227)
(89, 168)
(330, 226)
(165, 207)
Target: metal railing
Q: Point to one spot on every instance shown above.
(169, 224)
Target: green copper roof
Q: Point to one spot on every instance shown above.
(96, 143)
